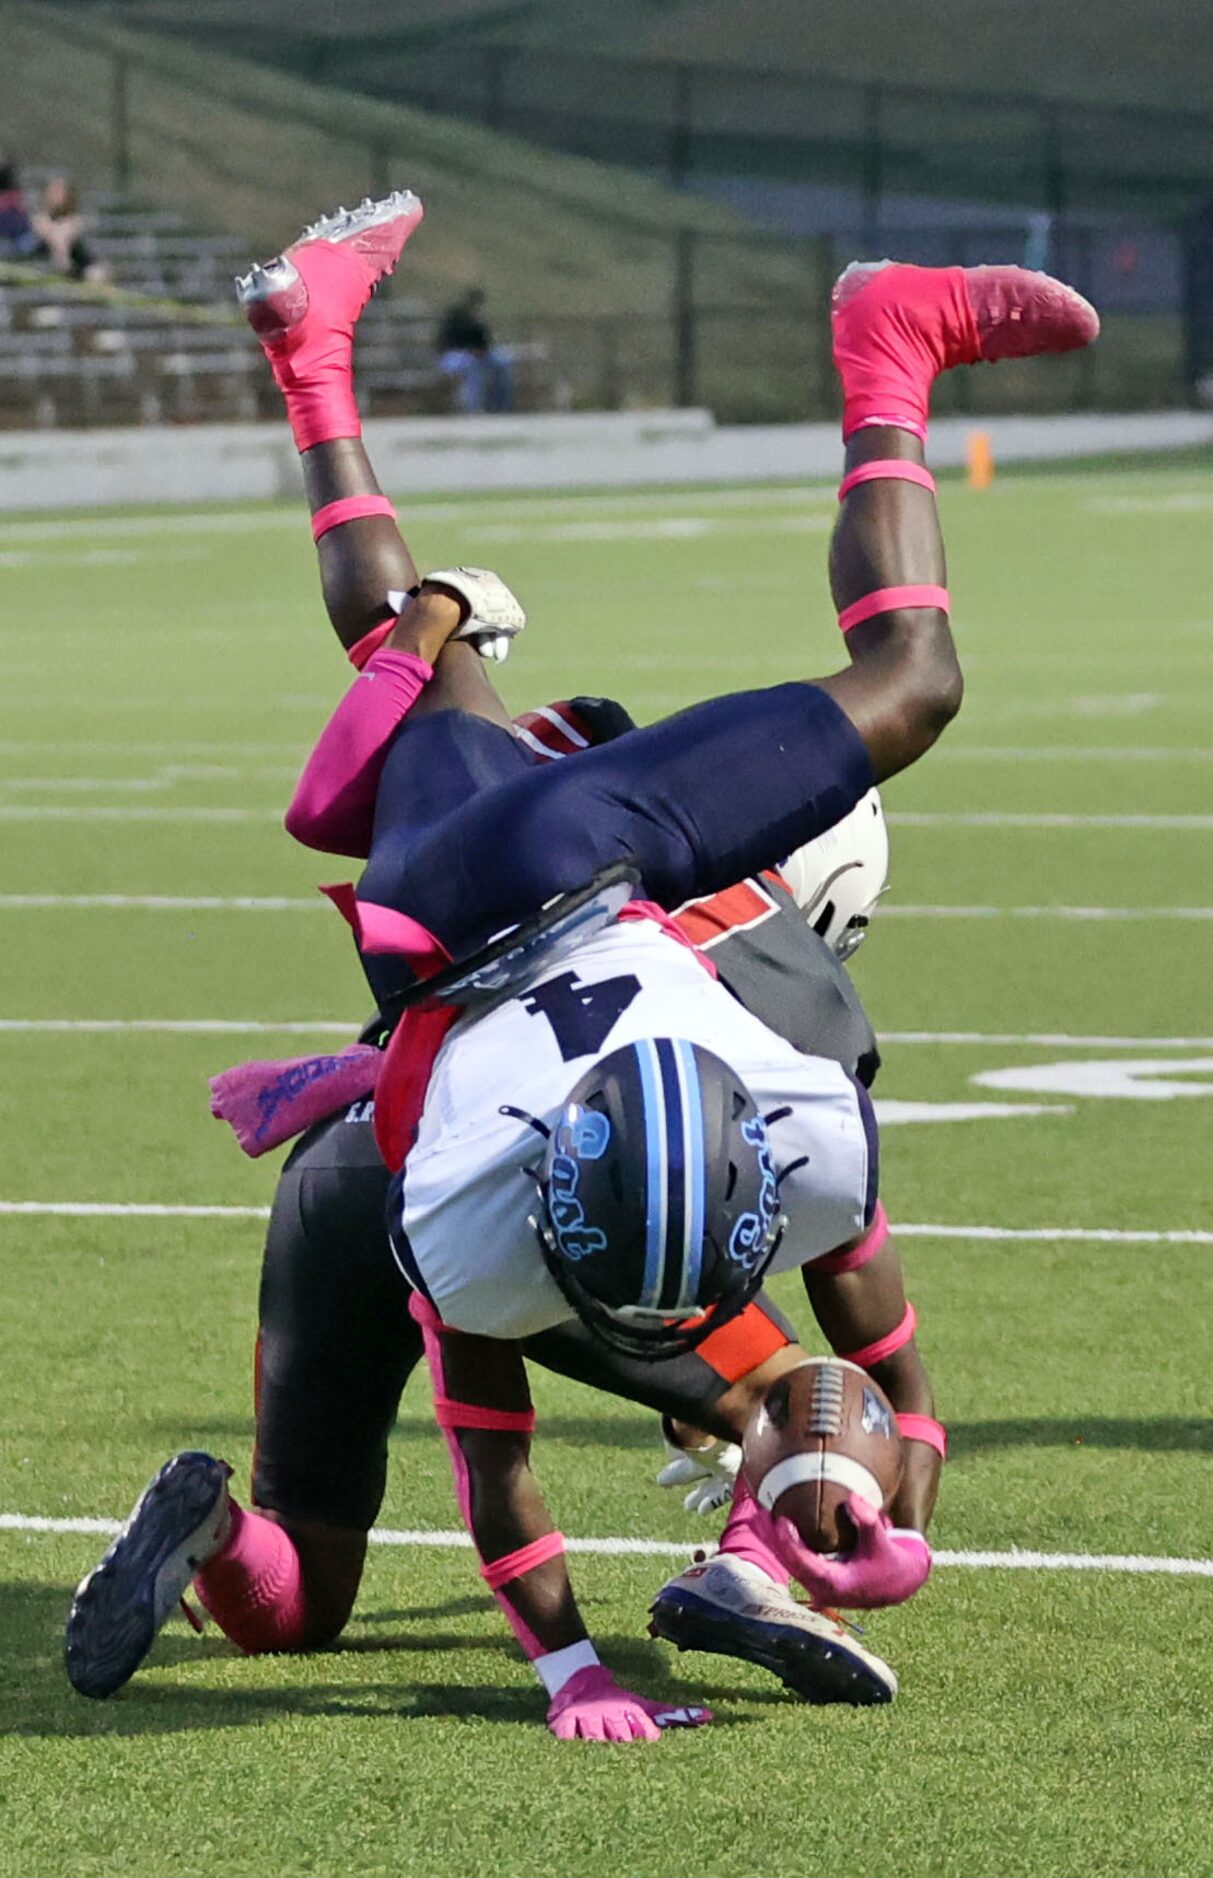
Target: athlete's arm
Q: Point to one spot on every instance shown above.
(862, 1310)
(483, 1404)
(484, 1378)
(333, 806)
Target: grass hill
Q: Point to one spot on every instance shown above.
(258, 153)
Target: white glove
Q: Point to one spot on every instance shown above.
(494, 615)
(709, 1472)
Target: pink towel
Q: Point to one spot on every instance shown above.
(266, 1103)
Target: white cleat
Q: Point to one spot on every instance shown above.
(729, 1607)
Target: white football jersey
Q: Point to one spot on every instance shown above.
(468, 1199)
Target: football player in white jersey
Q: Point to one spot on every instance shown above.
(582, 1120)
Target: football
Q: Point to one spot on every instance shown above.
(823, 1431)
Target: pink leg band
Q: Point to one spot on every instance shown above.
(253, 1588)
(873, 1353)
(366, 647)
(893, 600)
(450, 1414)
(896, 420)
(857, 1255)
(500, 1571)
(423, 1313)
(888, 469)
(348, 509)
(925, 1428)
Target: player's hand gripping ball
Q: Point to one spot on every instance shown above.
(823, 1432)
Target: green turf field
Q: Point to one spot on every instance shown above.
(160, 678)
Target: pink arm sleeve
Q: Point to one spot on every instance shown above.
(333, 805)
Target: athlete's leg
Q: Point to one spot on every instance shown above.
(304, 307)
(895, 329)
(362, 559)
(335, 1349)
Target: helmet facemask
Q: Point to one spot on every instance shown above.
(659, 1206)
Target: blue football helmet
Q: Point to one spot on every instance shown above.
(660, 1203)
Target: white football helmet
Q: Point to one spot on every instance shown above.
(838, 879)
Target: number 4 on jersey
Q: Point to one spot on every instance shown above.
(582, 1016)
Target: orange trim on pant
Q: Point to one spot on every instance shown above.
(742, 1344)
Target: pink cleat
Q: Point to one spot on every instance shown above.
(896, 327)
(304, 305)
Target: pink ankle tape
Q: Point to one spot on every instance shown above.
(348, 509)
(873, 1353)
(449, 1414)
(925, 1428)
(253, 1588)
(892, 600)
(857, 1255)
(888, 469)
(365, 648)
(500, 1571)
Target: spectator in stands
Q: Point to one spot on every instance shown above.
(482, 371)
(59, 227)
(18, 240)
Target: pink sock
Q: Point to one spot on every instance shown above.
(749, 1534)
(313, 363)
(893, 335)
(253, 1588)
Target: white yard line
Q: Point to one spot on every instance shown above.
(163, 902)
(92, 812)
(210, 521)
(1050, 1039)
(905, 818)
(1073, 1235)
(110, 1209)
(282, 903)
(333, 1027)
(1069, 753)
(1014, 1560)
(1081, 1235)
(60, 746)
(1089, 913)
(185, 1026)
(998, 818)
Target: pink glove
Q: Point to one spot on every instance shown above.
(886, 1565)
(592, 1707)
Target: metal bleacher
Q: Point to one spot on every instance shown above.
(161, 341)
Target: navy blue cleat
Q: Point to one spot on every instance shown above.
(180, 1522)
(731, 1608)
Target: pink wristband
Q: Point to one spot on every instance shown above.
(892, 600)
(348, 509)
(887, 469)
(873, 1353)
(501, 1570)
(449, 1414)
(857, 1255)
(925, 1428)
